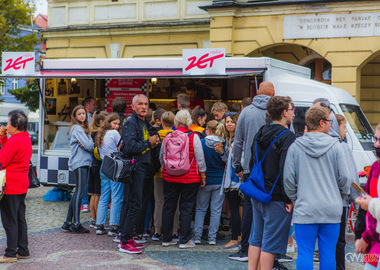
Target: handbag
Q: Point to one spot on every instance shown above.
(2, 181)
(254, 187)
(118, 168)
(33, 179)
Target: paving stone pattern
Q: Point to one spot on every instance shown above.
(53, 249)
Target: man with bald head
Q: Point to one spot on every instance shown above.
(251, 119)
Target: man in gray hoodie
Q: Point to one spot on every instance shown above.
(316, 178)
(251, 119)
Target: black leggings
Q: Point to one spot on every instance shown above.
(234, 202)
(81, 175)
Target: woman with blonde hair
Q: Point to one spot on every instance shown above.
(209, 195)
(184, 185)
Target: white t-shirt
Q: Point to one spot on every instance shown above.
(110, 142)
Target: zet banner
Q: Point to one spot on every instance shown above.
(204, 61)
(18, 63)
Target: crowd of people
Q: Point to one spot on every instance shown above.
(189, 171)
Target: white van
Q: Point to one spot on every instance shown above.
(304, 91)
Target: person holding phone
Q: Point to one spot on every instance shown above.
(15, 154)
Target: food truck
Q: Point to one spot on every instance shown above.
(65, 83)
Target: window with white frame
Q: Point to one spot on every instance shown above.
(2, 88)
(14, 84)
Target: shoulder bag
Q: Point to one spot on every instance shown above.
(118, 168)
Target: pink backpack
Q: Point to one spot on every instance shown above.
(176, 153)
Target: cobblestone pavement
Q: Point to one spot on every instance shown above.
(53, 249)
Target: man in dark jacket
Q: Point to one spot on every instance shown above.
(138, 138)
(269, 235)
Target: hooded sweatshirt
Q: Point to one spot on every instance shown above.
(273, 164)
(80, 155)
(214, 162)
(250, 121)
(316, 178)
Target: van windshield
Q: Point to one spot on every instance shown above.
(359, 124)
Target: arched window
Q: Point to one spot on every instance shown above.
(320, 70)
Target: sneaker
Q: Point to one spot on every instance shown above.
(147, 233)
(211, 241)
(22, 257)
(189, 244)
(135, 244)
(230, 247)
(239, 256)
(282, 258)
(93, 224)
(197, 240)
(107, 227)
(78, 228)
(100, 230)
(129, 248)
(290, 249)
(85, 208)
(117, 238)
(140, 239)
(171, 243)
(278, 266)
(175, 237)
(66, 226)
(156, 237)
(5, 259)
(113, 232)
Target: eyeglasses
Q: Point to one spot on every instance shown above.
(230, 113)
(291, 109)
(330, 121)
(375, 139)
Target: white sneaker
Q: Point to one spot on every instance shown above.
(189, 244)
(197, 240)
(85, 208)
(171, 243)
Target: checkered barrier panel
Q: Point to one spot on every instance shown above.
(55, 171)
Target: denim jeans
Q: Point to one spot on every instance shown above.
(85, 199)
(203, 201)
(115, 189)
(306, 235)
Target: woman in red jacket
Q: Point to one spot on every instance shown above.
(184, 186)
(15, 154)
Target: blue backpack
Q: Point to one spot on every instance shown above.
(254, 187)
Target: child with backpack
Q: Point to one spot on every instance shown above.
(94, 179)
(81, 147)
(167, 122)
(108, 140)
(183, 167)
(210, 193)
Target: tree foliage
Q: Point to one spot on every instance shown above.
(14, 15)
(28, 94)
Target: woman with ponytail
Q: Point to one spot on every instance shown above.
(210, 193)
(108, 140)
